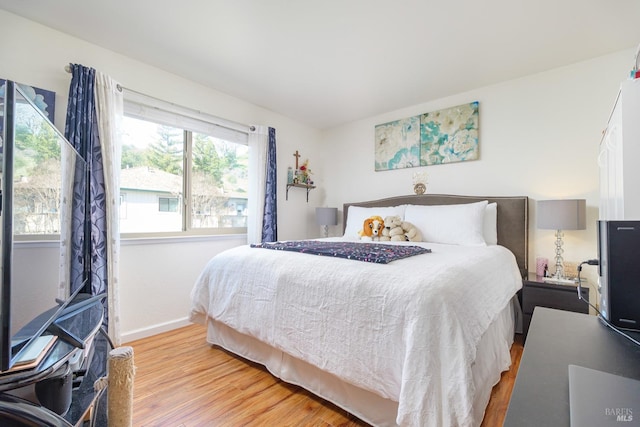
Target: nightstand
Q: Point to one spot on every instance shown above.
(536, 293)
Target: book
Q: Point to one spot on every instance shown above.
(34, 353)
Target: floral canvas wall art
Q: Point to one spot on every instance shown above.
(443, 136)
(398, 144)
(449, 135)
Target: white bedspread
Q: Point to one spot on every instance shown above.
(406, 330)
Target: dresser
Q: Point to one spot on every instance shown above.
(556, 339)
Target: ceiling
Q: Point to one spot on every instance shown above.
(328, 62)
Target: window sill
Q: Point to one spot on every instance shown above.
(142, 240)
(152, 240)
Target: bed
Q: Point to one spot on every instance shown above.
(417, 341)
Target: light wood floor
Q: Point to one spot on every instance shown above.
(181, 381)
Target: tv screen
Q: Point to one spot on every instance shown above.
(41, 174)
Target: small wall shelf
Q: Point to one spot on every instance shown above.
(308, 187)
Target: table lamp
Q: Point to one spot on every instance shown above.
(561, 215)
(326, 217)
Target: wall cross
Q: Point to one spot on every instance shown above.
(297, 156)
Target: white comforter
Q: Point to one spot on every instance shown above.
(406, 330)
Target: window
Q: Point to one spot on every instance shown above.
(166, 204)
(219, 183)
(181, 174)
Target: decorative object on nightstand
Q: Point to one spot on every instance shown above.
(561, 215)
(419, 182)
(326, 217)
(541, 266)
(570, 270)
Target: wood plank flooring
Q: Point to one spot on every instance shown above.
(181, 381)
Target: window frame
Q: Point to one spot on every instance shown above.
(143, 107)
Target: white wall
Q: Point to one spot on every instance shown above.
(156, 277)
(539, 137)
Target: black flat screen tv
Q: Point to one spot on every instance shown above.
(43, 180)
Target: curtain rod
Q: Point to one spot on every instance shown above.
(67, 68)
(232, 125)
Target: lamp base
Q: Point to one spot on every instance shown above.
(559, 274)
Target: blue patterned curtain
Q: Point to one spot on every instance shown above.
(89, 233)
(270, 223)
(79, 130)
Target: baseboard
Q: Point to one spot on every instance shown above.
(154, 329)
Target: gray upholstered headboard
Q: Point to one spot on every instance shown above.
(513, 220)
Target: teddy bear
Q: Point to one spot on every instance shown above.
(410, 232)
(392, 229)
(372, 228)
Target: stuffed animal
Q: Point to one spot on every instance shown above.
(385, 235)
(393, 229)
(411, 233)
(372, 228)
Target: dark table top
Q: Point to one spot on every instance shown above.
(557, 339)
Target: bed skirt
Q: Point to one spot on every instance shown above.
(493, 357)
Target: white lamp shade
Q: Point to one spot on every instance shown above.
(567, 214)
(327, 216)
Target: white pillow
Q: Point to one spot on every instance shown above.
(357, 214)
(452, 224)
(490, 228)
